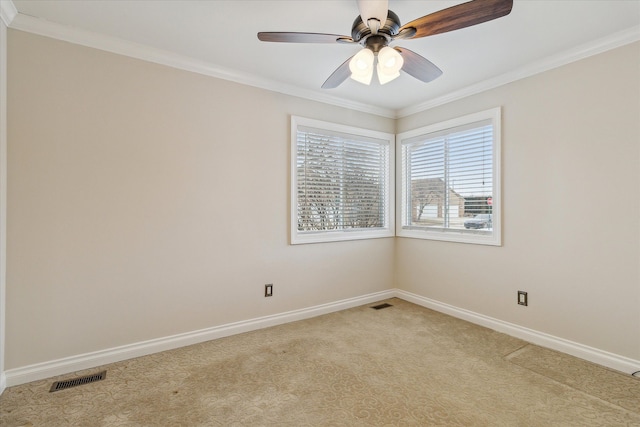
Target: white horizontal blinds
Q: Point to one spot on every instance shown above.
(448, 176)
(424, 163)
(471, 166)
(341, 180)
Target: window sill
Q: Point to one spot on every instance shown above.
(340, 236)
(478, 237)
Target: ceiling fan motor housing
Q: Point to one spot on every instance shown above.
(362, 34)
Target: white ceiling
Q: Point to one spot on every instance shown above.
(221, 36)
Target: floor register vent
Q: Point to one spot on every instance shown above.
(381, 306)
(61, 385)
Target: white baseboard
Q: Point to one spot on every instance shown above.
(66, 365)
(604, 358)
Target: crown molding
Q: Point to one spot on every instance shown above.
(30, 24)
(146, 53)
(613, 41)
(8, 12)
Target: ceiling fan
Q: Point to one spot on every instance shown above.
(377, 26)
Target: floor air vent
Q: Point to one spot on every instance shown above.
(381, 306)
(61, 385)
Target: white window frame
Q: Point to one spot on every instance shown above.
(298, 237)
(452, 235)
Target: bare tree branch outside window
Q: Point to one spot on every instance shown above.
(341, 183)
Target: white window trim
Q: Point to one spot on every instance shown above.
(449, 235)
(339, 235)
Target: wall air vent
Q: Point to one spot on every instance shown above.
(61, 385)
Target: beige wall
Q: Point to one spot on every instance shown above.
(571, 213)
(146, 201)
(3, 194)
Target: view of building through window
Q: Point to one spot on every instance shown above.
(451, 178)
(449, 174)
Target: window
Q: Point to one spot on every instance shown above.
(450, 180)
(341, 182)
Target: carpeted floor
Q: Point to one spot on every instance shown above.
(403, 365)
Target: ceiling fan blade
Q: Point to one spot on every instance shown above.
(341, 74)
(287, 37)
(418, 66)
(459, 16)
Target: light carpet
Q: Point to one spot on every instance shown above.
(404, 365)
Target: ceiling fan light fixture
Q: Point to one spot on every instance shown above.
(389, 64)
(361, 66)
(390, 60)
(386, 78)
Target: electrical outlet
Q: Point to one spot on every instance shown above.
(268, 290)
(522, 298)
